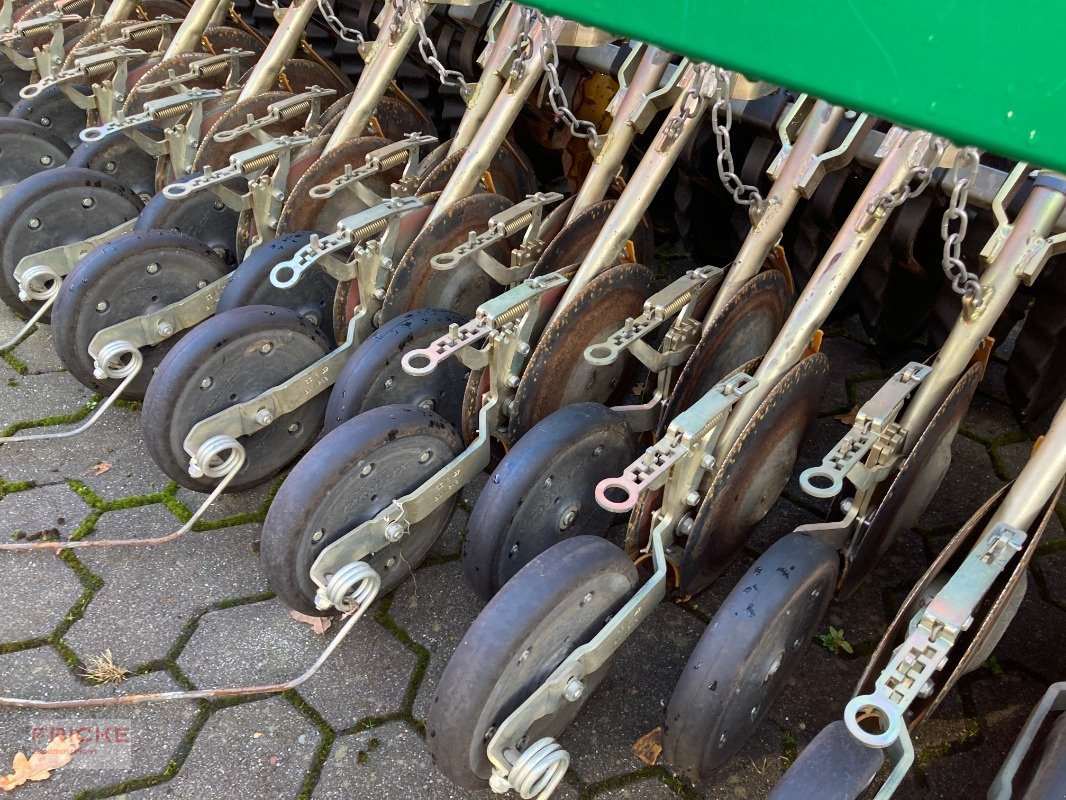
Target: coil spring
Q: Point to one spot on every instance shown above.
(175, 111)
(518, 223)
(260, 162)
(117, 360)
(364, 232)
(677, 304)
(212, 450)
(539, 769)
(352, 586)
(395, 160)
(39, 276)
(301, 109)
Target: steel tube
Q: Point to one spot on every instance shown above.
(187, 36)
(280, 49)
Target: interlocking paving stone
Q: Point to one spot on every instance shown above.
(156, 731)
(44, 508)
(37, 351)
(138, 522)
(229, 504)
(151, 593)
(260, 643)
(26, 612)
(255, 751)
(396, 766)
(969, 482)
(35, 397)
(650, 789)
(116, 440)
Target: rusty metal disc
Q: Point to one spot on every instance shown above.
(572, 243)
(749, 478)
(744, 330)
(511, 175)
(914, 485)
(558, 374)
(300, 74)
(217, 154)
(417, 284)
(303, 212)
(394, 119)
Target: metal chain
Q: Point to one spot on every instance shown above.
(343, 31)
(523, 45)
(905, 191)
(963, 173)
(583, 129)
(743, 194)
(428, 51)
(691, 103)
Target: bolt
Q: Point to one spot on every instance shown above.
(685, 525)
(390, 563)
(598, 450)
(263, 416)
(46, 121)
(514, 550)
(422, 459)
(110, 166)
(152, 268)
(87, 202)
(568, 518)
(366, 470)
(379, 294)
(294, 427)
(513, 381)
(707, 461)
(394, 532)
(34, 224)
(692, 499)
(165, 329)
(317, 535)
(586, 599)
(102, 306)
(389, 382)
(265, 347)
(523, 348)
(46, 161)
(846, 505)
(201, 284)
(219, 205)
(206, 383)
(427, 404)
(574, 690)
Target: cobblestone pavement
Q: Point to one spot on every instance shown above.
(197, 613)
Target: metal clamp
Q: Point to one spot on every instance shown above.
(925, 652)
(529, 214)
(873, 421)
(687, 433)
(658, 308)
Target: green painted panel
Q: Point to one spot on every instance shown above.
(981, 72)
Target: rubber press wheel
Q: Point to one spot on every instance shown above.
(121, 158)
(26, 149)
(56, 208)
(53, 111)
(137, 273)
(347, 478)
(559, 601)
(200, 214)
(374, 376)
(834, 766)
(226, 360)
(543, 491)
(746, 655)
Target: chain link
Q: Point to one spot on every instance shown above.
(691, 104)
(722, 122)
(343, 31)
(905, 191)
(523, 45)
(963, 173)
(428, 51)
(583, 129)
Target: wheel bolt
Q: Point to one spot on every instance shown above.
(102, 306)
(34, 224)
(152, 269)
(568, 518)
(294, 427)
(46, 121)
(366, 470)
(87, 202)
(428, 405)
(206, 383)
(574, 690)
(394, 532)
(165, 329)
(110, 166)
(266, 347)
(46, 161)
(388, 383)
(317, 535)
(422, 459)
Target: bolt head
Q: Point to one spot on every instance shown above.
(102, 306)
(513, 381)
(87, 202)
(389, 382)
(692, 499)
(264, 417)
(317, 535)
(165, 329)
(707, 461)
(110, 166)
(394, 532)
(266, 347)
(379, 294)
(46, 161)
(46, 121)
(422, 459)
(206, 383)
(366, 470)
(33, 224)
(568, 518)
(574, 690)
(427, 404)
(152, 269)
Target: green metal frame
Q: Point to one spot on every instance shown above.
(982, 72)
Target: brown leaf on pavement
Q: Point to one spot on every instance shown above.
(318, 624)
(40, 765)
(648, 747)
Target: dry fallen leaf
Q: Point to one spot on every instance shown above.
(40, 765)
(648, 747)
(318, 624)
(849, 417)
(101, 468)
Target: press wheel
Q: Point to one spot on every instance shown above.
(122, 159)
(347, 478)
(748, 479)
(543, 491)
(744, 330)
(200, 214)
(914, 486)
(134, 274)
(26, 149)
(747, 654)
(225, 360)
(557, 374)
(373, 375)
(56, 208)
(834, 766)
(417, 284)
(556, 603)
(311, 297)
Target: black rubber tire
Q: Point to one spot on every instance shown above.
(121, 158)
(834, 766)
(218, 348)
(200, 214)
(525, 632)
(54, 112)
(746, 655)
(373, 375)
(55, 192)
(311, 297)
(327, 491)
(1049, 773)
(550, 472)
(23, 145)
(117, 273)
